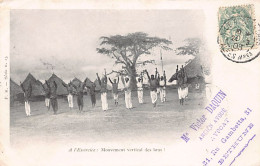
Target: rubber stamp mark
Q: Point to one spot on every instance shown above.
(236, 28)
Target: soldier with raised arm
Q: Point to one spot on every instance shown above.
(92, 92)
(115, 89)
(69, 88)
(103, 84)
(139, 84)
(162, 85)
(127, 88)
(80, 93)
(153, 88)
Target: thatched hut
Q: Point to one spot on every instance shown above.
(194, 72)
(37, 89)
(16, 92)
(61, 90)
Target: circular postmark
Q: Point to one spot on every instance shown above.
(237, 35)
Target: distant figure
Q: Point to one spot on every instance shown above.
(153, 88)
(47, 95)
(27, 94)
(103, 83)
(53, 96)
(140, 92)
(92, 93)
(115, 89)
(127, 88)
(162, 86)
(70, 94)
(80, 93)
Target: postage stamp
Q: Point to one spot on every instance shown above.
(237, 32)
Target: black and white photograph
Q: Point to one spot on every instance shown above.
(129, 83)
(106, 75)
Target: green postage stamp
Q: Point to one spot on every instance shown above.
(236, 28)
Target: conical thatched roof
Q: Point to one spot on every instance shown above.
(192, 68)
(88, 82)
(15, 90)
(61, 90)
(76, 81)
(37, 89)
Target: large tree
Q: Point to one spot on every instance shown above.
(126, 50)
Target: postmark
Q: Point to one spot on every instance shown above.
(237, 33)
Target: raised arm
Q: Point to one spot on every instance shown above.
(22, 87)
(117, 80)
(164, 77)
(64, 85)
(30, 90)
(99, 81)
(110, 80)
(147, 75)
(123, 80)
(48, 85)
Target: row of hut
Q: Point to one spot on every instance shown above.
(193, 69)
(16, 92)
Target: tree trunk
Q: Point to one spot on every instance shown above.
(133, 78)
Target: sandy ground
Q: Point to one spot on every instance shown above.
(165, 123)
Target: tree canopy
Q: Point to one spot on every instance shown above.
(127, 49)
(192, 47)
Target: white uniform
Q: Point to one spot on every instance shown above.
(70, 100)
(47, 102)
(128, 99)
(162, 91)
(140, 92)
(181, 93)
(104, 101)
(153, 96)
(27, 108)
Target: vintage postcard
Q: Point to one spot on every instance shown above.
(143, 83)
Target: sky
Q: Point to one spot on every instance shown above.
(67, 39)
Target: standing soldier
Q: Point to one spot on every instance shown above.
(53, 96)
(140, 89)
(70, 94)
(127, 87)
(47, 95)
(162, 85)
(80, 93)
(115, 89)
(27, 94)
(92, 93)
(103, 83)
(153, 88)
